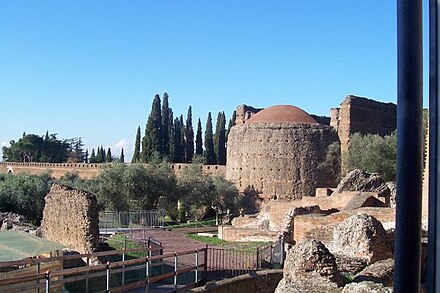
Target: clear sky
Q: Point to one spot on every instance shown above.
(90, 68)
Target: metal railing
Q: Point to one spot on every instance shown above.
(131, 219)
(172, 272)
(228, 263)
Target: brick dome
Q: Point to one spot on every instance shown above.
(281, 114)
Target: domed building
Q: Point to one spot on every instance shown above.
(277, 152)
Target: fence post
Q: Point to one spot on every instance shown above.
(87, 274)
(197, 267)
(107, 286)
(38, 281)
(47, 276)
(258, 256)
(271, 253)
(206, 263)
(175, 271)
(147, 273)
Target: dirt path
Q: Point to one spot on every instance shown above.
(172, 241)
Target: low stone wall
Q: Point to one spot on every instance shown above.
(87, 171)
(256, 282)
(70, 217)
(320, 227)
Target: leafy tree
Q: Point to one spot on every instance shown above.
(122, 157)
(137, 147)
(332, 163)
(34, 148)
(199, 142)
(165, 126)
(24, 194)
(152, 141)
(189, 137)
(374, 153)
(210, 158)
(220, 139)
(108, 156)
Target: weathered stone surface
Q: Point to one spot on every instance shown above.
(349, 265)
(310, 283)
(364, 200)
(16, 222)
(366, 287)
(70, 217)
(359, 114)
(358, 180)
(310, 256)
(393, 193)
(380, 272)
(362, 236)
(280, 160)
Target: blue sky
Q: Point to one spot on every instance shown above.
(91, 68)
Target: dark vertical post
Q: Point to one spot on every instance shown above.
(434, 151)
(409, 146)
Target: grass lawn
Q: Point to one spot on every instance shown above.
(117, 242)
(227, 244)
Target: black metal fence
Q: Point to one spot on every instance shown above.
(228, 263)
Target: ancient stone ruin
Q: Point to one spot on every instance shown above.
(358, 114)
(70, 217)
(277, 152)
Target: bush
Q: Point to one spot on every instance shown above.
(374, 153)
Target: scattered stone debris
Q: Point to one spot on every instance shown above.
(358, 180)
(16, 222)
(362, 236)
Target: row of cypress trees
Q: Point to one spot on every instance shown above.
(172, 139)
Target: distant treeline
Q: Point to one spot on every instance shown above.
(49, 149)
(172, 139)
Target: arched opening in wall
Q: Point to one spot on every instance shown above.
(10, 170)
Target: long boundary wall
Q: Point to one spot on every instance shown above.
(88, 171)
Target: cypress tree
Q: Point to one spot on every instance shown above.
(171, 144)
(189, 137)
(152, 141)
(220, 139)
(122, 157)
(93, 157)
(137, 147)
(199, 142)
(165, 126)
(108, 156)
(182, 140)
(231, 123)
(209, 142)
(103, 155)
(86, 156)
(99, 156)
(177, 138)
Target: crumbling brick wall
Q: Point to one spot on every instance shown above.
(358, 114)
(70, 217)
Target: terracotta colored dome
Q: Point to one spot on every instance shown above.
(281, 114)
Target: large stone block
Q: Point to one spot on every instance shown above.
(70, 217)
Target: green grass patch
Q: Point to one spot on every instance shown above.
(246, 246)
(119, 241)
(207, 223)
